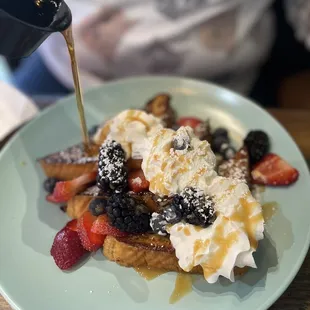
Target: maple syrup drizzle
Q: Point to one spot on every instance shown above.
(149, 273)
(68, 35)
(183, 286)
(269, 210)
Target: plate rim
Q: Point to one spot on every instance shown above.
(200, 83)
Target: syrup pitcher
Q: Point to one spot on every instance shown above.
(25, 24)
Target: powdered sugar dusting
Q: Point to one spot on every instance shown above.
(72, 155)
(137, 181)
(91, 191)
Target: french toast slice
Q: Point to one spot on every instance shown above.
(69, 163)
(78, 204)
(148, 251)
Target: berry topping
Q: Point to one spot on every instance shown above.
(275, 171)
(127, 214)
(65, 190)
(137, 181)
(219, 143)
(220, 132)
(63, 209)
(97, 206)
(92, 131)
(191, 206)
(181, 141)
(174, 213)
(49, 184)
(90, 240)
(112, 173)
(237, 168)
(258, 145)
(67, 249)
(189, 121)
(158, 224)
(102, 226)
(197, 207)
(229, 152)
(72, 225)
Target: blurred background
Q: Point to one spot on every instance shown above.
(266, 62)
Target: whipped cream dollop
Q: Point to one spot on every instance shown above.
(174, 160)
(177, 159)
(230, 241)
(132, 128)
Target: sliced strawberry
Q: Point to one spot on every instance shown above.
(102, 226)
(137, 181)
(90, 241)
(65, 190)
(189, 121)
(72, 225)
(275, 171)
(51, 198)
(67, 249)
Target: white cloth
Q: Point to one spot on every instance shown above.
(15, 109)
(221, 40)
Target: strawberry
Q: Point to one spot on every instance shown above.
(65, 190)
(90, 241)
(72, 225)
(189, 121)
(102, 226)
(51, 198)
(137, 181)
(67, 249)
(275, 171)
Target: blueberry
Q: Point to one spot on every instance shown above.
(180, 144)
(228, 153)
(63, 208)
(49, 184)
(220, 132)
(218, 143)
(97, 206)
(93, 130)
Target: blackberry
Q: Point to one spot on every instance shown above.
(257, 143)
(49, 184)
(198, 208)
(97, 206)
(127, 214)
(158, 224)
(112, 172)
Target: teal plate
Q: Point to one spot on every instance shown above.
(30, 280)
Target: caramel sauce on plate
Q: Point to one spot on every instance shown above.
(149, 273)
(183, 286)
(269, 210)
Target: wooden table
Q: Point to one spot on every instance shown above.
(297, 296)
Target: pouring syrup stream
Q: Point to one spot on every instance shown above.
(67, 34)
